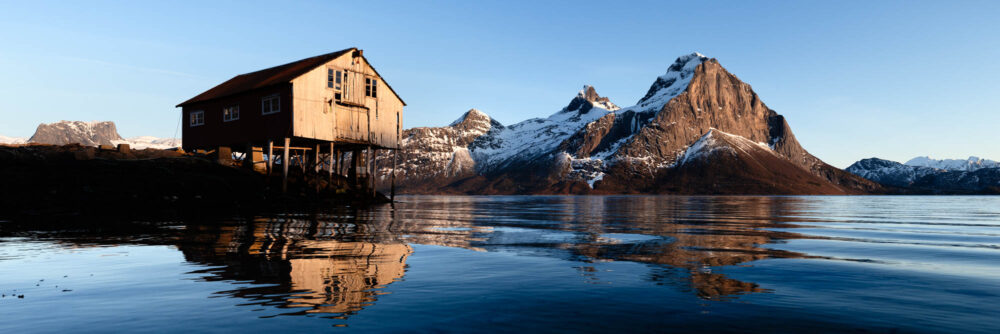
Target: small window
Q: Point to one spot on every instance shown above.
(270, 104)
(197, 118)
(346, 85)
(230, 113)
(329, 78)
(371, 87)
(336, 79)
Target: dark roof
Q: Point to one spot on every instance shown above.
(268, 77)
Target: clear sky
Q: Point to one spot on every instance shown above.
(891, 79)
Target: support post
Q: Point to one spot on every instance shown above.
(352, 170)
(392, 186)
(302, 160)
(316, 167)
(284, 166)
(270, 156)
(371, 169)
(330, 167)
(340, 157)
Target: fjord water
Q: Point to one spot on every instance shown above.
(522, 263)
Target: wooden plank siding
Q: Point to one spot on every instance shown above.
(252, 126)
(309, 114)
(358, 119)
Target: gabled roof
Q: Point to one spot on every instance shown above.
(269, 77)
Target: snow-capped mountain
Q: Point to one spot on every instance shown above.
(12, 140)
(957, 178)
(890, 172)
(434, 156)
(69, 132)
(592, 145)
(970, 164)
(93, 134)
(143, 142)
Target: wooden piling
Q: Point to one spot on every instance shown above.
(392, 185)
(284, 166)
(316, 166)
(330, 167)
(270, 156)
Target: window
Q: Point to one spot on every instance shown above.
(337, 80)
(197, 118)
(230, 113)
(346, 85)
(371, 87)
(270, 104)
(329, 78)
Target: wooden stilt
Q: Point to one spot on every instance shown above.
(316, 166)
(270, 156)
(371, 169)
(339, 156)
(392, 185)
(284, 166)
(330, 167)
(352, 170)
(302, 160)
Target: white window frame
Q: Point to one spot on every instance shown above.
(196, 118)
(227, 113)
(371, 87)
(270, 104)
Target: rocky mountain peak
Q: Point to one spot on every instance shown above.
(587, 99)
(69, 132)
(475, 121)
(672, 83)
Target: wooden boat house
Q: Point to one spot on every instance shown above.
(309, 113)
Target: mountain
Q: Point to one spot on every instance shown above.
(890, 172)
(68, 132)
(93, 134)
(970, 164)
(657, 145)
(972, 176)
(12, 140)
(436, 156)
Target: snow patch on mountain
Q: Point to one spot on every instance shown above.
(12, 140)
(971, 164)
(715, 141)
(533, 138)
(144, 142)
(670, 84)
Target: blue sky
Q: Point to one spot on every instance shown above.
(891, 79)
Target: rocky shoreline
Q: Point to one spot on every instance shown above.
(50, 181)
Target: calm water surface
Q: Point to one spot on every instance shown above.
(521, 264)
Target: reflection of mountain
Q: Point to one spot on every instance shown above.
(680, 237)
(339, 262)
(304, 264)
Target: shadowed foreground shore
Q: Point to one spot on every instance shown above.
(74, 180)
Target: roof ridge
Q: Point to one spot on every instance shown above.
(267, 77)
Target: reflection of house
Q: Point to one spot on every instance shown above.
(321, 273)
(342, 279)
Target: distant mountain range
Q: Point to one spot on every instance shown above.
(89, 134)
(926, 175)
(697, 130)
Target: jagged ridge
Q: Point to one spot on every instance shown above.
(591, 145)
